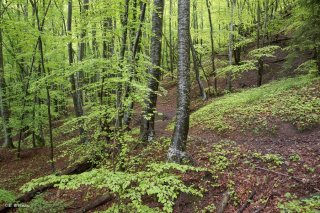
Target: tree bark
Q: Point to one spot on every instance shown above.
(212, 46)
(260, 72)
(197, 72)
(135, 49)
(258, 24)
(119, 106)
(231, 37)
(147, 127)
(178, 144)
(318, 58)
(4, 106)
(40, 29)
(170, 41)
(76, 93)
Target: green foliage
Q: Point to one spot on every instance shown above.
(293, 100)
(236, 70)
(307, 205)
(6, 196)
(222, 155)
(295, 158)
(309, 66)
(269, 158)
(158, 181)
(39, 204)
(264, 52)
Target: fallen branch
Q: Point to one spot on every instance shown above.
(224, 202)
(282, 174)
(248, 202)
(26, 197)
(264, 206)
(95, 203)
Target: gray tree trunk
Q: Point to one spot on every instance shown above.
(119, 92)
(178, 145)
(135, 49)
(212, 46)
(170, 41)
(4, 107)
(76, 93)
(231, 37)
(196, 65)
(147, 127)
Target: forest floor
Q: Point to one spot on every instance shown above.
(257, 169)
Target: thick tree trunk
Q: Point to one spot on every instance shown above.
(4, 107)
(178, 145)
(147, 127)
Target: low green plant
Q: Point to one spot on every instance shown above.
(269, 158)
(39, 204)
(6, 196)
(222, 155)
(307, 205)
(159, 181)
(295, 158)
(292, 100)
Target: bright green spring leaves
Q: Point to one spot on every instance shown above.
(159, 181)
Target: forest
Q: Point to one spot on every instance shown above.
(160, 106)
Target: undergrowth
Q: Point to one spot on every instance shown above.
(307, 205)
(161, 182)
(293, 100)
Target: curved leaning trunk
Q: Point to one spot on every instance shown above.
(178, 145)
(147, 126)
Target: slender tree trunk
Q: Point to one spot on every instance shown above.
(178, 145)
(317, 56)
(119, 104)
(258, 24)
(4, 106)
(231, 37)
(107, 52)
(265, 26)
(76, 93)
(135, 49)
(147, 129)
(40, 29)
(212, 46)
(197, 72)
(170, 40)
(260, 72)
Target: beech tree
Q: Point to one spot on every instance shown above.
(180, 134)
(4, 108)
(147, 128)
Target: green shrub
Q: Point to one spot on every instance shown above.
(159, 181)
